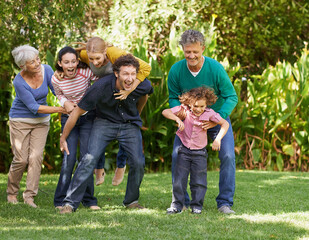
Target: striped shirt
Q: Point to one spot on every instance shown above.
(73, 89)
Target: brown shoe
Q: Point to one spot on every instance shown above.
(94, 208)
(58, 208)
(100, 176)
(134, 205)
(30, 202)
(12, 199)
(66, 209)
(119, 174)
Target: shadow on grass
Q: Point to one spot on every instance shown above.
(268, 206)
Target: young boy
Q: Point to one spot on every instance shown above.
(192, 154)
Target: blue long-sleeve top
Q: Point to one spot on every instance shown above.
(28, 100)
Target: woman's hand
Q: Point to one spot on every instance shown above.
(122, 94)
(69, 106)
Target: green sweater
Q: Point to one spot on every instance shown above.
(212, 75)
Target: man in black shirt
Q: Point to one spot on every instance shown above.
(115, 120)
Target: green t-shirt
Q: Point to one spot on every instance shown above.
(212, 75)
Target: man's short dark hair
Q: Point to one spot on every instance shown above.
(125, 60)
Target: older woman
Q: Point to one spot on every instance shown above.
(29, 122)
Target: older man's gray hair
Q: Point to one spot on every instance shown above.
(24, 53)
(192, 36)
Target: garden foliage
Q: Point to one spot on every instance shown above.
(262, 41)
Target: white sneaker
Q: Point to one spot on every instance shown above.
(196, 211)
(226, 209)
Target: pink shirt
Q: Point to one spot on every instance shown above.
(193, 136)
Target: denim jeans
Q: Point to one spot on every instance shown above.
(103, 132)
(195, 163)
(80, 133)
(227, 165)
(120, 161)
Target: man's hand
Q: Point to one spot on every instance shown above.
(69, 106)
(64, 145)
(216, 145)
(208, 124)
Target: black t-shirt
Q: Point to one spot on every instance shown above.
(100, 96)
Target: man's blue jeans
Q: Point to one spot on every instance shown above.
(80, 133)
(195, 163)
(227, 166)
(103, 132)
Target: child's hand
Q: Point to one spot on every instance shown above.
(216, 145)
(181, 125)
(122, 95)
(181, 114)
(59, 75)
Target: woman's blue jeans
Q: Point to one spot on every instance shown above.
(227, 166)
(103, 132)
(79, 134)
(120, 161)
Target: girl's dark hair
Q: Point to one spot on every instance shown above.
(197, 94)
(64, 51)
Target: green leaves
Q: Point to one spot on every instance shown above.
(276, 123)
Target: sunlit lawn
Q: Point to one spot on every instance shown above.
(268, 205)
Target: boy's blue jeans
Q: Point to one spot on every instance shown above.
(103, 132)
(195, 163)
(227, 166)
(79, 134)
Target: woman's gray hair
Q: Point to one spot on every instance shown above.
(24, 53)
(192, 36)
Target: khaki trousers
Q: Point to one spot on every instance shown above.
(28, 142)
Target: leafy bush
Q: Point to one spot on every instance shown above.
(271, 124)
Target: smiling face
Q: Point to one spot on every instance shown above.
(198, 107)
(97, 59)
(69, 64)
(194, 55)
(34, 65)
(125, 77)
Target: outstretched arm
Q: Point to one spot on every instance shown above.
(170, 115)
(50, 109)
(141, 103)
(77, 112)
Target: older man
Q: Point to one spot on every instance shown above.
(115, 120)
(194, 71)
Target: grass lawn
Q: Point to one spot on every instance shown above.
(268, 205)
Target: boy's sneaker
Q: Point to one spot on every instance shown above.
(173, 210)
(196, 211)
(226, 209)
